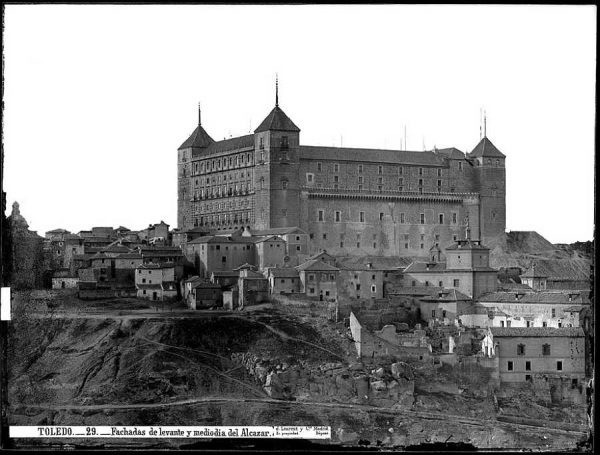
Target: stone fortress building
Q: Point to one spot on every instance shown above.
(350, 201)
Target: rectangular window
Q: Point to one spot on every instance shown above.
(319, 167)
(336, 167)
(360, 168)
(422, 218)
(510, 366)
(361, 217)
(402, 218)
(439, 172)
(456, 283)
(420, 171)
(338, 216)
(310, 178)
(360, 187)
(433, 313)
(528, 366)
(224, 259)
(420, 182)
(311, 277)
(454, 218)
(460, 165)
(440, 284)
(553, 312)
(380, 169)
(380, 216)
(379, 180)
(336, 178)
(332, 277)
(321, 215)
(360, 179)
(559, 365)
(521, 349)
(546, 349)
(324, 236)
(441, 218)
(373, 289)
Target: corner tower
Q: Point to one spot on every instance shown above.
(276, 181)
(489, 180)
(191, 148)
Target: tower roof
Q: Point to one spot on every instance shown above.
(198, 139)
(487, 149)
(277, 121)
(533, 273)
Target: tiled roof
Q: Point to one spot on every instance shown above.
(198, 139)
(533, 273)
(204, 284)
(129, 256)
(279, 231)
(277, 121)
(465, 244)
(451, 152)
(485, 148)
(226, 273)
(57, 231)
(153, 266)
(321, 254)
(268, 238)
(222, 240)
(226, 145)
(317, 265)
(447, 295)
(283, 273)
(416, 291)
(537, 332)
(246, 266)
(252, 274)
(550, 297)
(398, 157)
(377, 263)
(417, 267)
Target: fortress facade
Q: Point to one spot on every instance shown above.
(350, 201)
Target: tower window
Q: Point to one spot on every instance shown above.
(336, 167)
(441, 218)
(284, 142)
(422, 218)
(338, 216)
(546, 349)
(261, 143)
(361, 217)
(321, 215)
(380, 169)
(319, 167)
(360, 169)
(401, 217)
(521, 349)
(381, 216)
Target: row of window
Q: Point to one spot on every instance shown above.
(510, 366)
(226, 205)
(545, 349)
(358, 243)
(225, 218)
(243, 159)
(338, 218)
(324, 277)
(380, 168)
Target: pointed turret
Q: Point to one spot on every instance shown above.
(486, 149)
(199, 138)
(277, 120)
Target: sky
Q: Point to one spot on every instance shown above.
(97, 98)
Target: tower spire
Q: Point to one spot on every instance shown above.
(276, 90)
(484, 124)
(199, 115)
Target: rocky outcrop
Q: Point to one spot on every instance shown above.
(330, 382)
